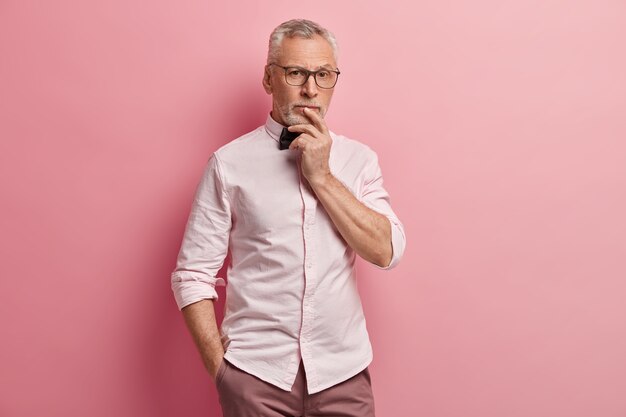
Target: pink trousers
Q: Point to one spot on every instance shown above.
(244, 395)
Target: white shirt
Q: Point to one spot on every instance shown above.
(292, 290)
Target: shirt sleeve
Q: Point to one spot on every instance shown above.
(205, 241)
(376, 197)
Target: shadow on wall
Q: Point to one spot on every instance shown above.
(171, 357)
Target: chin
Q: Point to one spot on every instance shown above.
(295, 119)
(292, 118)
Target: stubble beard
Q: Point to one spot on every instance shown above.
(291, 117)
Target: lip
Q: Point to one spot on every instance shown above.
(307, 107)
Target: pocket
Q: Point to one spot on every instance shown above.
(220, 373)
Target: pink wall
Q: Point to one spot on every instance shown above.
(500, 129)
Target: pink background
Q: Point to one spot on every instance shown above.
(500, 129)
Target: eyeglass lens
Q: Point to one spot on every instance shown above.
(323, 78)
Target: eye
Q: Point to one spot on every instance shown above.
(323, 74)
(294, 72)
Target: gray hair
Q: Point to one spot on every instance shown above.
(301, 28)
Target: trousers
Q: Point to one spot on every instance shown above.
(244, 395)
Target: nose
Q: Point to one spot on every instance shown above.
(309, 88)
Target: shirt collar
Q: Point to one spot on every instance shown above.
(273, 128)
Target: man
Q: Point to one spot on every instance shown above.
(293, 213)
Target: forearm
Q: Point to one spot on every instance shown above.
(364, 230)
(201, 322)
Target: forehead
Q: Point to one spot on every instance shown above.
(307, 53)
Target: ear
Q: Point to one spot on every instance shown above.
(267, 80)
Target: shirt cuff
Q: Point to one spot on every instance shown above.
(397, 245)
(191, 287)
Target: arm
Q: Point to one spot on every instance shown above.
(201, 322)
(202, 254)
(365, 230)
(367, 223)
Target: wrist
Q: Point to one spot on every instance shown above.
(321, 180)
(214, 366)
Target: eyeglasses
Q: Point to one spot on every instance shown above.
(324, 78)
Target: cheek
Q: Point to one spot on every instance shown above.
(325, 102)
(284, 97)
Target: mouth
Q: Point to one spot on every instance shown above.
(301, 108)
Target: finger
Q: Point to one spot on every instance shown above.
(304, 128)
(316, 119)
(309, 144)
(300, 142)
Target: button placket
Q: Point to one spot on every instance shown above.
(308, 307)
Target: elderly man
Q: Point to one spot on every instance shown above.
(294, 203)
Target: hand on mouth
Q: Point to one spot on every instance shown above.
(300, 108)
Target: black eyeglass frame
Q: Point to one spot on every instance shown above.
(308, 74)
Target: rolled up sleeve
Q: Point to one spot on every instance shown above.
(376, 198)
(205, 241)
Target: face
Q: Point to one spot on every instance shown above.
(288, 101)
